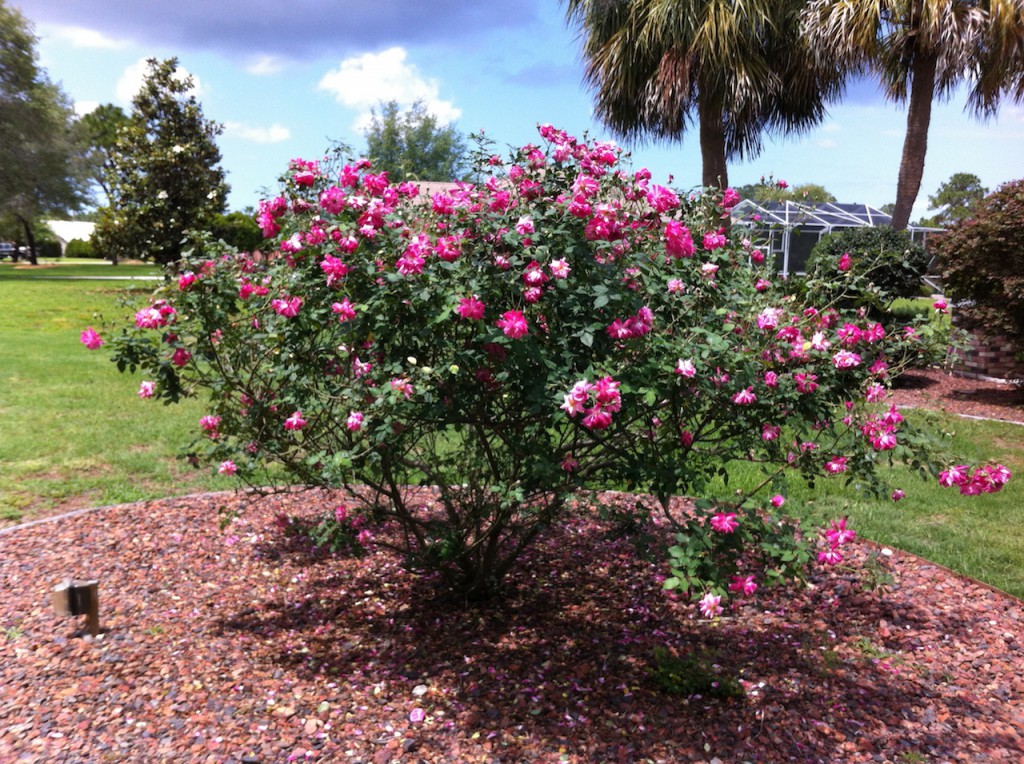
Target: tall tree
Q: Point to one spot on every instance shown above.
(40, 171)
(413, 145)
(736, 69)
(165, 175)
(769, 190)
(920, 50)
(98, 131)
(956, 198)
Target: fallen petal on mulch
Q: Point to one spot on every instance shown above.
(230, 646)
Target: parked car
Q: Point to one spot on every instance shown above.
(7, 250)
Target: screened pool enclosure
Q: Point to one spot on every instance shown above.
(789, 230)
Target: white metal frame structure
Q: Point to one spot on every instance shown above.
(789, 230)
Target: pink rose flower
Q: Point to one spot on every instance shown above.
(470, 308)
(844, 359)
(743, 585)
(724, 522)
(91, 339)
(836, 465)
(710, 605)
(513, 324)
(186, 280)
(210, 424)
(559, 268)
(714, 240)
(678, 241)
(287, 306)
(686, 368)
(403, 386)
(745, 397)
(345, 310)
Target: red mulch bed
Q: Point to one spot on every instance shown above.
(240, 646)
(964, 396)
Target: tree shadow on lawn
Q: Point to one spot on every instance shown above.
(565, 662)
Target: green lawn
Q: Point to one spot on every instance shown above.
(73, 432)
(50, 270)
(980, 536)
(71, 427)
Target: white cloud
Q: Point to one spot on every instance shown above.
(265, 65)
(273, 134)
(130, 82)
(1012, 113)
(85, 107)
(362, 82)
(825, 143)
(80, 37)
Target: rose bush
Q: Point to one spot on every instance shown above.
(562, 325)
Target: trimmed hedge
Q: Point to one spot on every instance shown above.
(80, 248)
(884, 263)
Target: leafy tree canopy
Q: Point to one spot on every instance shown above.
(957, 198)
(982, 258)
(40, 171)
(413, 145)
(98, 131)
(239, 230)
(770, 190)
(165, 176)
(921, 50)
(729, 71)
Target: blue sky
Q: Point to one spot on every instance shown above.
(288, 78)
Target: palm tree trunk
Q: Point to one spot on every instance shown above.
(712, 142)
(915, 144)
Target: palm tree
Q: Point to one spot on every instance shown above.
(738, 69)
(921, 49)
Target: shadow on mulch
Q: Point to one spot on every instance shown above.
(952, 387)
(912, 381)
(226, 645)
(565, 660)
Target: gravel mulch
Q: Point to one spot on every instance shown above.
(237, 645)
(964, 396)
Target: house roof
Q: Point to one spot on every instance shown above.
(430, 187)
(66, 230)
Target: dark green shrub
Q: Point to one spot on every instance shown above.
(48, 249)
(80, 248)
(883, 264)
(905, 309)
(238, 230)
(982, 260)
